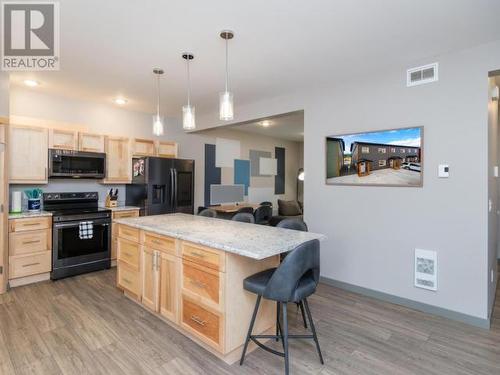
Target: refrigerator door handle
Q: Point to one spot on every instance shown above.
(175, 188)
(171, 187)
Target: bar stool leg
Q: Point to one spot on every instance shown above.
(313, 329)
(277, 320)
(285, 338)
(301, 305)
(250, 328)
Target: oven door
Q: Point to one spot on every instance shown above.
(70, 249)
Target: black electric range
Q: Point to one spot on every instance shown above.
(81, 233)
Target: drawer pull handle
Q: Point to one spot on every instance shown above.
(198, 320)
(157, 242)
(31, 264)
(30, 242)
(126, 281)
(199, 255)
(198, 284)
(29, 224)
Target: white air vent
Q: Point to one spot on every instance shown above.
(422, 74)
(426, 269)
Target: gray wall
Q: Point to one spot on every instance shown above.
(446, 215)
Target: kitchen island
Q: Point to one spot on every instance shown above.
(189, 270)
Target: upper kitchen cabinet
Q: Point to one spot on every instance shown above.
(28, 154)
(63, 139)
(167, 149)
(90, 142)
(144, 147)
(118, 160)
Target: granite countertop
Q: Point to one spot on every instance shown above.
(27, 214)
(122, 208)
(250, 240)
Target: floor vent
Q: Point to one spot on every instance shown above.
(426, 269)
(422, 74)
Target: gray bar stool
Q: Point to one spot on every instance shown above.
(207, 212)
(293, 281)
(244, 217)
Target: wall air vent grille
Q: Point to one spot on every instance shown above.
(426, 269)
(422, 74)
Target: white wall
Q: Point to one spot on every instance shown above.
(373, 231)
(4, 94)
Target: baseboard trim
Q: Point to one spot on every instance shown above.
(449, 314)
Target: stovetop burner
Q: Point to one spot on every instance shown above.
(74, 206)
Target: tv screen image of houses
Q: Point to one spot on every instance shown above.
(386, 158)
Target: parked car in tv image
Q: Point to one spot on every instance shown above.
(388, 158)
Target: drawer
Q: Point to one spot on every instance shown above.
(204, 256)
(158, 242)
(32, 264)
(201, 281)
(33, 223)
(29, 241)
(129, 279)
(128, 233)
(129, 252)
(124, 214)
(202, 322)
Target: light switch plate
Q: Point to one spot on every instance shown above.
(443, 171)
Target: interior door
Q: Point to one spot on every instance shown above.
(150, 268)
(168, 286)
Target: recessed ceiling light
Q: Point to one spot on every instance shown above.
(265, 123)
(31, 82)
(120, 101)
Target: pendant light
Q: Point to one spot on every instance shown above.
(158, 119)
(188, 111)
(226, 98)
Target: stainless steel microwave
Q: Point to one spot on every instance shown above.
(76, 164)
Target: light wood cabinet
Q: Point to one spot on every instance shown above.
(166, 149)
(28, 155)
(3, 208)
(150, 278)
(118, 160)
(196, 288)
(143, 147)
(169, 269)
(114, 230)
(62, 139)
(30, 244)
(90, 142)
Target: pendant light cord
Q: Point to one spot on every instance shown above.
(189, 83)
(158, 92)
(227, 68)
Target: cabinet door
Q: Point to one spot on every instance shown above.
(169, 268)
(167, 149)
(118, 160)
(144, 147)
(63, 139)
(150, 288)
(90, 142)
(28, 154)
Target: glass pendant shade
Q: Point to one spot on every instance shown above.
(188, 117)
(226, 106)
(158, 125)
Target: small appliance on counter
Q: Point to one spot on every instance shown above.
(16, 204)
(81, 233)
(112, 198)
(161, 186)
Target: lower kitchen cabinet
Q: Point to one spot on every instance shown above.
(150, 276)
(119, 214)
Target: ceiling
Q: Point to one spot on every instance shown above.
(109, 48)
(288, 126)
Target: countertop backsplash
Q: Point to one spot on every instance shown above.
(69, 186)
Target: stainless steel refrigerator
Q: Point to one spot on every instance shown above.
(161, 186)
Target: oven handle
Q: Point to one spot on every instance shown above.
(73, 224)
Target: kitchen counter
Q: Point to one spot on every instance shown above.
(122, 208)
(249, 240)
(26, 214)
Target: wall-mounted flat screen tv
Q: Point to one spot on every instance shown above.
(379, 158)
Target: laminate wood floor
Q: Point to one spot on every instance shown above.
(84, 325)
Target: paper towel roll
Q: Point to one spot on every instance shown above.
(17, 198)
